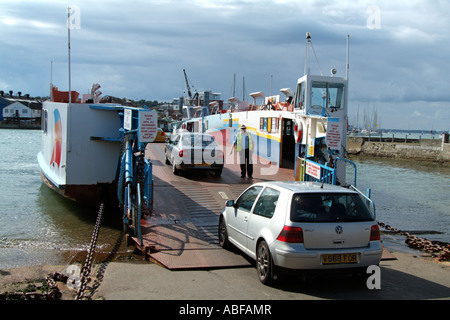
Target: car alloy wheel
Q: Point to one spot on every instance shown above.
(263, 263)
(174, 168)
(166, 159)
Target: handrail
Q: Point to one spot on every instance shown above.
(346, 160)
(372, 204)
(138, 231)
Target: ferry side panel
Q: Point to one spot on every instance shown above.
(94, 146)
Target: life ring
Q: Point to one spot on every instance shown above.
(183, 126)
(298, 131)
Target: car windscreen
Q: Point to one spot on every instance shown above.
(329, 207)
(197, 140)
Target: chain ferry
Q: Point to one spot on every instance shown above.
(93, 148)
(307, 131)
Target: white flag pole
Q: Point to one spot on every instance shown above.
(68, 42)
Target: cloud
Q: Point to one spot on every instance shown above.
(138, 49)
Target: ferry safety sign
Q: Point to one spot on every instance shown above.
(148, 125)
(334, 135)
(313, 170)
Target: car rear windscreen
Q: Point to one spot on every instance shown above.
(329, 207)
(199, 140)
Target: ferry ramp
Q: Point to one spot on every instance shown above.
(182, 232)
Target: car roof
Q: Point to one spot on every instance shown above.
(194, 133)
(303, 186)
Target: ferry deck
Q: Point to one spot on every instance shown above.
(182, 232)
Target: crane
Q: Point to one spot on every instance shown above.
(187, 85)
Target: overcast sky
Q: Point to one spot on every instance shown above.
(399, 50)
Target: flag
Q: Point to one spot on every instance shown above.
(74, 18)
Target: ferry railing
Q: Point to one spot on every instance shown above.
(327, 174)
(347, 161)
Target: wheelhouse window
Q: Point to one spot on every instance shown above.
(299, 102)
(44, 120)
(327, 95)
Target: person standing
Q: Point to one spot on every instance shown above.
(243, 144)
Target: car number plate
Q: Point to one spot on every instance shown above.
(339, 258)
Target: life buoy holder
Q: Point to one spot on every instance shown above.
(298, 131)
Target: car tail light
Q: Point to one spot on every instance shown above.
(375, 233)
(181, 153)
(291, 235)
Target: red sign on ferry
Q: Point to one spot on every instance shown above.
(313, 170)
(333, 138)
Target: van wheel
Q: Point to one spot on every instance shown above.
(264, 263)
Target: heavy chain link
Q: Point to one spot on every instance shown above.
(52, 291)
(438, 249)
(86, 270)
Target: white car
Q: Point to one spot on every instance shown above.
(194, 151)
(301, 227)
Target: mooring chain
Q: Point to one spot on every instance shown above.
(86, 270)
(438, 249)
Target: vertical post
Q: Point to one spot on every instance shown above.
(51, 80)
(68, 145)
(348, 56)
(68, 47)
(308, 40)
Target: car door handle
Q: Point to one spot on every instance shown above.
(245, 219)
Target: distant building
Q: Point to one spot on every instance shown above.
(19, 108)
(199, 99)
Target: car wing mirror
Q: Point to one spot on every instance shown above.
(230, 203)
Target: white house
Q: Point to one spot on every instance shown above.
(20, 111)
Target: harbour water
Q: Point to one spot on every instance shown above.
(37, 226)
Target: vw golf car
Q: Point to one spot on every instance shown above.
(194, 151)
(301, 227)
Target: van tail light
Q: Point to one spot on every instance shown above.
(181, 153)
(375, 233)
(291, 235)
